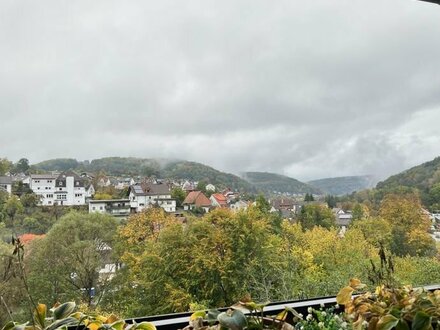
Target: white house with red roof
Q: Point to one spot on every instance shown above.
(219, 200)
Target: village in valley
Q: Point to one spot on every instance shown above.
(136, 194)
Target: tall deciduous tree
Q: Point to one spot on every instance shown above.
(179, 195)
(5, 166)
(22, 166)
(64, 265)
(409, 225)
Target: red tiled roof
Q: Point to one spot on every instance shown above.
(221, 199)
(27, 238)
(197, 198)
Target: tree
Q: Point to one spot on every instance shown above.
(262, 204)
(316, 215)
(29, 200)
(330, 200)
(64, 265)
(409, 225)
(102, 196)
(22, 166)
(375, 230)
(359, 211)
(5, 166)
(179, 195)
(19, 188)
(308, 198)
(201, 185)
(13, 207)
(434, 197)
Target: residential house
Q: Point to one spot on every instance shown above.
(196, 199)
(116, 207)
(146, 195)
(239, 205)
(6, 184)
(43, 185)
(210, 187)
(285, 204)
(124, 183)
(90, 191)
(230, 195)
(104, 182)
(66, 188)
(189, 186)
(343, 218)
(218, 200)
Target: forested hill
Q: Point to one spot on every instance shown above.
(271, 183)
(162, 168)
(422, 177)
(343, 185)
(200, 172)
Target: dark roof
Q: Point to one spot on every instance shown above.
(5, 180)
(76, 178)
(150, 189)
(43, 176)
(109, 201)
(283, 203)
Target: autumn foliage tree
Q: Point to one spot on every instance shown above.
(409, 225)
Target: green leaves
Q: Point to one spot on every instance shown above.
(402, 325)
(63, 310)
(422, 321)
(387, 322)
(62, 323)
(232, 319)
(144, 326)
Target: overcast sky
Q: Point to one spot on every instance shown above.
(309, 89)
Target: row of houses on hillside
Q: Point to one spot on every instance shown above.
(198, 200)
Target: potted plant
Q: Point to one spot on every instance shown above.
(401, 307)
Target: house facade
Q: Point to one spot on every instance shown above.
(196, 199)
(115, 207)
(66, 188)
(6, 184)
(146, 195)
(218, 200)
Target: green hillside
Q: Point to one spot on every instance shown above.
(343, 185)
(275, 183)
(200, 172)
(161, 168)
(425, 178)
(58, 164)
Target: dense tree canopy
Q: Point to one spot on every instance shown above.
(64, 265)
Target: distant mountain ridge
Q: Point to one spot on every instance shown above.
(163, 168)
(272, 183)
(343, 185)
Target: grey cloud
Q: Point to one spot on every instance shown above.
(308, 89)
